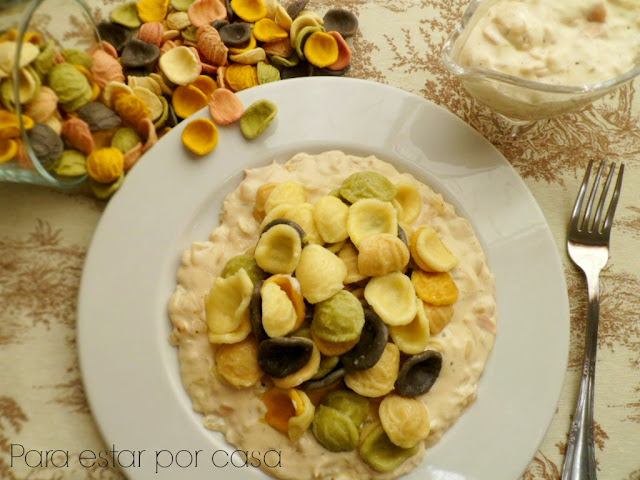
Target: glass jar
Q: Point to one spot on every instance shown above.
(33, 35)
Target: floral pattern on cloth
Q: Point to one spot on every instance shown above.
(45, 234)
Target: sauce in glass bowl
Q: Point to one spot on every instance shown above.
(535, 59)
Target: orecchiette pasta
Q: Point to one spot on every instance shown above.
(418, 373)
(320, 273)
(413, 337)
(393, 298)
(436, 288)
(278, 249)
(278, 314)
(319, 342)
(379, 379)
(301, 213)
(380, 452)
(405, 420)
(234, 336)
(248, 262)
(381, 254)
(327, 364)
(355, 406)
(339, 318)
(349, 255)
(280, 408)
(237, 363)
(280, 211)
(335, 247)
(261, 198)
(302, 375)
(409, 199)
(398, 207)
(408, 232)
(301, 422)
(333, 348)
(227, 303)
(288, 411)
(370, 216)
(369, 184)
(439, 317)
(334, 430)
(331, 215)
(291, 287)
(285, 192)
(280, 357)
(428, 251)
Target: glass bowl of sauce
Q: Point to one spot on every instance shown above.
(529, 60)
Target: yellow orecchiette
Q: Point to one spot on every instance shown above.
(413, 337)
(290, 285)
(370, 216)
(261, 199)
(286, 192)
(278, 250)
(227, 303)
(379, 379)
(349, 255)
(278, 313)
(320, 273)
(300, 213)
(410, 200)
(237, 363)
(234, 336)
(331, 216)
(393, 298)
(381, 254)
(333, 348)
(439, 317)
(430, 253)
(405, 420)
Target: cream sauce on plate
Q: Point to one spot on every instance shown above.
(239, 413)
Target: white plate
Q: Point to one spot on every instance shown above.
(172, 198)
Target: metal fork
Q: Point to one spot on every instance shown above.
(588, 247)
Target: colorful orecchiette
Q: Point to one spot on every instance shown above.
(339, 302)
(428, 251)
(370, 216)
(331, 214)
(393, 297)
(413, 337)
(227, 304)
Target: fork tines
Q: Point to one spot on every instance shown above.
(593, 223)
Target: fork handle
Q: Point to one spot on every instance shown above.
(580, 459)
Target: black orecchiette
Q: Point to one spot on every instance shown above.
(371, 345)
(418, 373)
(283, 356)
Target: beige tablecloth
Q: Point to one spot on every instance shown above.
(45, 234)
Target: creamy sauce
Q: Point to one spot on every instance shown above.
(239, 413)
(567, 42)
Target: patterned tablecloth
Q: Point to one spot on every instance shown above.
(45, 234)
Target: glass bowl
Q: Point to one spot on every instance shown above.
(64, 24)
(517, 99)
